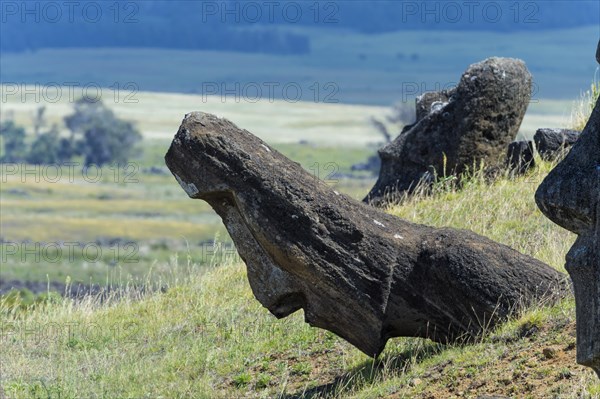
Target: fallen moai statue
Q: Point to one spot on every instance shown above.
(520, 157)
(457, 129)
(570, 197)
(551, 144)
(355, 270)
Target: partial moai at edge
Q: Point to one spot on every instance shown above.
(570, 197)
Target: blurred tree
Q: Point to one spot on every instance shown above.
(403, 114)
(106, 141)
(86, 110)
(39, 120)
(46, 149)
(98, 135)
(13, 140)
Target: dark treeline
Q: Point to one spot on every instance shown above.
(263, 26)
(149, 24)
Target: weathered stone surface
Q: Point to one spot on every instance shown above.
(520, 156)
(430, 101)
(553, 143)
(457, 128)
(570, 197)
(355, 270)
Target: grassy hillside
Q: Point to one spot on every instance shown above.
(207, 337)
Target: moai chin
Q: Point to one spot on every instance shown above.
(570, 197)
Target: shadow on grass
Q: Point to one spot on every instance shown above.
(372, 371)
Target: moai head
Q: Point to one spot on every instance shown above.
(570, 197)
